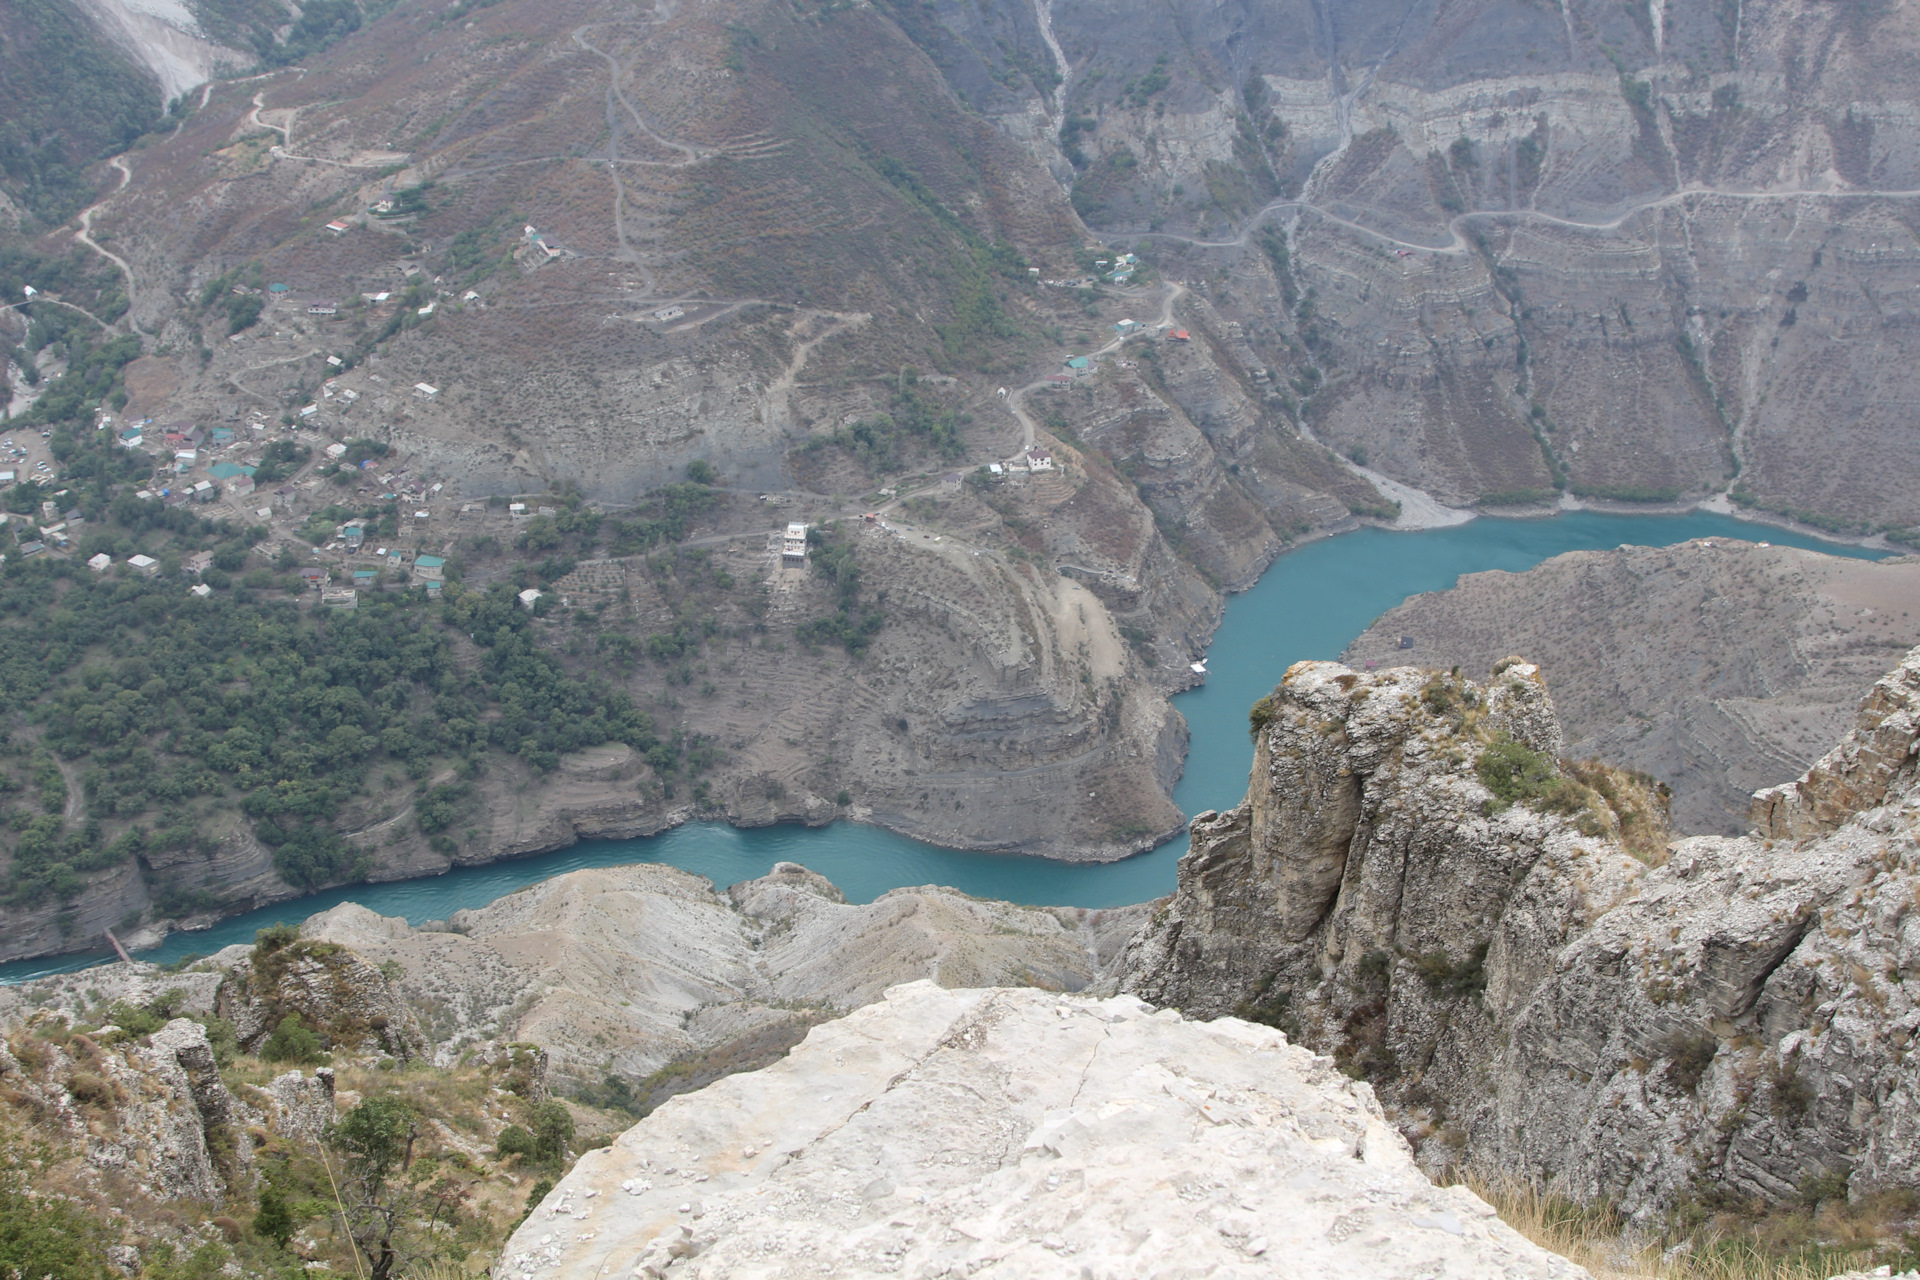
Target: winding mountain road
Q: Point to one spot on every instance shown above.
(1016, 399)
(1459, 244)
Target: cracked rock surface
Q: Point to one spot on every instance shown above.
(1014, 1133)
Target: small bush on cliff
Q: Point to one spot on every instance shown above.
(1689, 1053)
(1444, 977)
(1517, 774)
(1259, 716)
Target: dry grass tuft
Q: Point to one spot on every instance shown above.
(1613, 1249)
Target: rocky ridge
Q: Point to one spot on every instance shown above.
(623, 970)
(1020, 1133)
(1525, 995)
(1719, 666)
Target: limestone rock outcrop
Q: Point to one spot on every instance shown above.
(149, 1114)
(1525, 995)
(328, 988)
(1012, 1133)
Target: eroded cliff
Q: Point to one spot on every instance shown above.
(1413, 887)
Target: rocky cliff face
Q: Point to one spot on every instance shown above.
(1523, 993)
(149, 1118)
(1718, 666)
(1017, 1133)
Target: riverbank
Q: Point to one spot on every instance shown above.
(1311, 603)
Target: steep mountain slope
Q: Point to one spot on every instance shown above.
(1718, 666)
(606, 248)
(1503, 248)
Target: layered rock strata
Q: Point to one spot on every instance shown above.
(1528, 997)
(1019, 1133)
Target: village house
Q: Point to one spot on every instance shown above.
(429, 568)
(197, 563)
(141, 564)
(1039, 460)
(100, 563)
(529, 598)
(793, 547)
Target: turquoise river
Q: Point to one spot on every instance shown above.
(1309, 604)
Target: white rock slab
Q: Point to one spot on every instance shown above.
(1019, 1133)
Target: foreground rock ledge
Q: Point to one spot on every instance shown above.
(1013, 1133)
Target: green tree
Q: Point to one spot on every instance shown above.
(376, 1139)
(552, 1127)
(274, 1220)
(291, 1042)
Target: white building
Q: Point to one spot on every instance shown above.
(793, 547)
(529, 598)
(145, 564)
(100, 563)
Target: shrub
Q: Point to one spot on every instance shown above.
(514, 1140)
(274, 1220)
(1790, 1096)
(89, 1089)
(1259, 716)
(44, 1235)
(274, 937)
(1444, 977)
(1689, 1052)
(1517, 774)
(292, 1042)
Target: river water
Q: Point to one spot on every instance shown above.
(1309, 604)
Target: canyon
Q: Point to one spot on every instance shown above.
(1422, 265)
